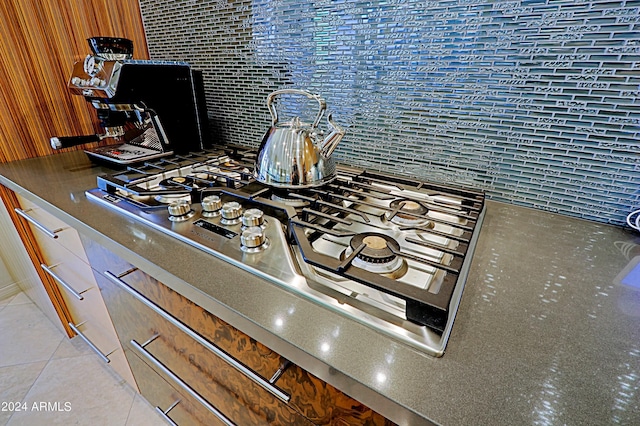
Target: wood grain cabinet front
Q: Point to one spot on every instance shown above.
(173, 404)
(178, 355)
(264, 388)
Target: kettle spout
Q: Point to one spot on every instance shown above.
(332, 140)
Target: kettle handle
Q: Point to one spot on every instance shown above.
(274, 114)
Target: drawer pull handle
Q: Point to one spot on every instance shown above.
(89, 342)
(177, 380)
(252, 375)
(283, 367)
(37, 224)
(77, 294)
(165, 413)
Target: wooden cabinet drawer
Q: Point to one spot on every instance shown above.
(310, 396)
(84, 302)
(49, 230)
(73, 276)
(180, 408)
(218, 381)
(81, 294)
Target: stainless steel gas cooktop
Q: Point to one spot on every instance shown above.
(390, 252)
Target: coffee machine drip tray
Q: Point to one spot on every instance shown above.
(143, 143)
(125, 153)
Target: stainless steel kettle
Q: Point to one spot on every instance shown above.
(294, 154)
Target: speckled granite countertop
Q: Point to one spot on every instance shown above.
(545, 333)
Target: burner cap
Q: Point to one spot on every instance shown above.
(234, 165)
(176, 182)
(376, 250)
(408, 206)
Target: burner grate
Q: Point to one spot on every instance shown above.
(361, 197)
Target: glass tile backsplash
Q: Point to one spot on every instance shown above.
(534, 101)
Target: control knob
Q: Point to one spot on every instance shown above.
(180, 210)
(211, 206)
(253, 239)
(231, 212)
(252, 217)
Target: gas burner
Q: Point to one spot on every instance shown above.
(203, 179)
(285, 197)
(229, 167)
(224, 174)
(234, 165)
(407, 212)
(375, 250)
(170, 198)
(206, 179)
(176, 182)
(376, 256)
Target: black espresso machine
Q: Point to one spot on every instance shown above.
(150, 108)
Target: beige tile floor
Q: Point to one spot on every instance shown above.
(56, 380)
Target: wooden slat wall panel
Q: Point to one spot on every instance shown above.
(39, 42)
